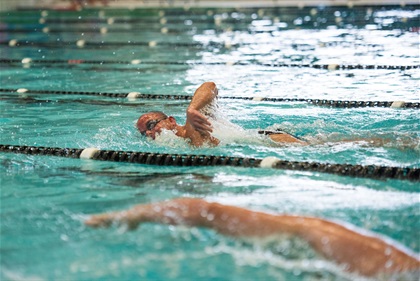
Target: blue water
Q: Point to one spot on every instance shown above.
(44, 200)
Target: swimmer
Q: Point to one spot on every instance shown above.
(197, 128)
(361, 253)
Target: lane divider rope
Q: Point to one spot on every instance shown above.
(227, 45)
(328, 20)
(161, 25)
(163, 28)
(354, 17)
(300, 8)
(369, 171)
(82, 43)
(138, 95)
(29, 61)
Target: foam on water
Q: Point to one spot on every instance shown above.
(287, 194)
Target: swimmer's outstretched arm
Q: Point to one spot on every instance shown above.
(365, 254)
(203, 96)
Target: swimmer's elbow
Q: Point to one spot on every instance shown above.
(212, 87)
(210, 84)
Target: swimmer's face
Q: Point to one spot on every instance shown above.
(152, 123)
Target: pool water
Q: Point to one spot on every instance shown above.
(44, 200)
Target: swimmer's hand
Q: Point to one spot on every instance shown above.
(198, 121)
(124, 218)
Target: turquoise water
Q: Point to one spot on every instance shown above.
(44, 200)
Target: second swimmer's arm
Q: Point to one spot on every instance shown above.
(364, 254)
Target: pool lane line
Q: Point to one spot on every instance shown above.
(363, 15)
(71, 62)
(83, 44)
(336, 104)
(14, 43)
(407, 25)
(151, 69)
(141, 11)
(158, 31)
(137, 95)
(309, 15)
(105, 30)
(191, 160)
(131, 95)
(217, 20)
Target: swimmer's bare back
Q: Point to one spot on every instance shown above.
(283, 137)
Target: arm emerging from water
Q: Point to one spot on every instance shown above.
(203, 96)
(365, 254)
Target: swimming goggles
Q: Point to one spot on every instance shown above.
(150, 125)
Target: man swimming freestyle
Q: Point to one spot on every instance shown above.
(365, 254)
(197, 128)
